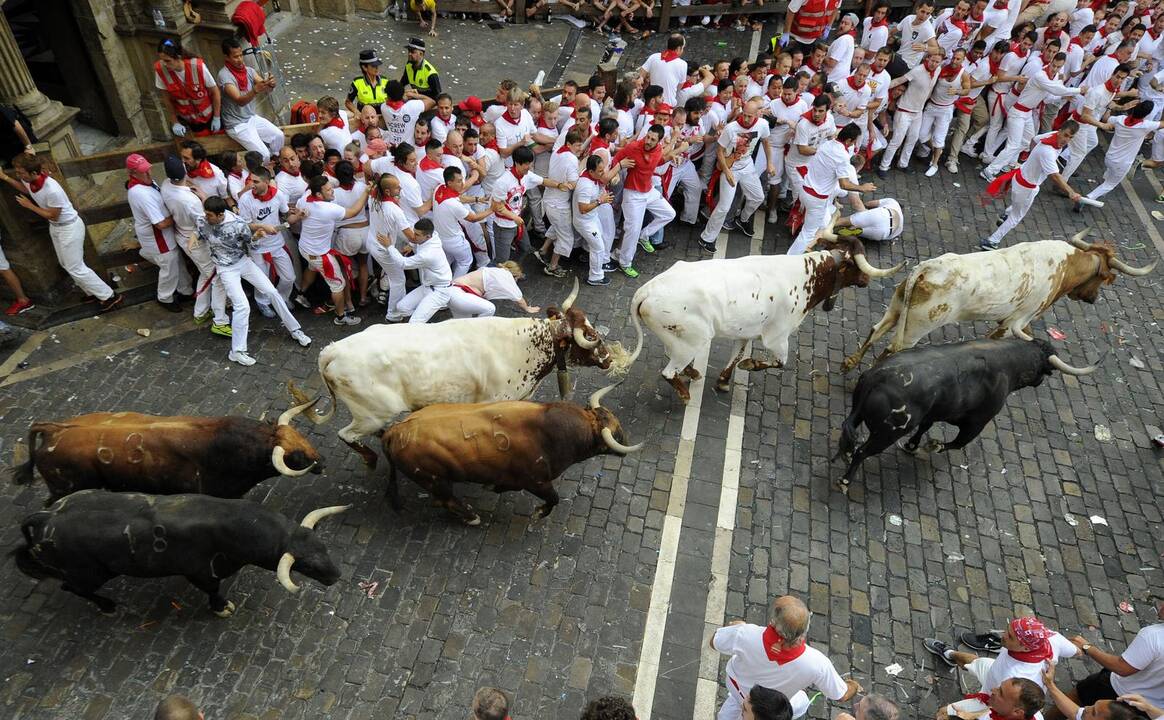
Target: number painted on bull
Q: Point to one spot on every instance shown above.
(499, 437)
(135, 448)
(105, 454)
(160, 543)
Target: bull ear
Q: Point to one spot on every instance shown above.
(553, 313)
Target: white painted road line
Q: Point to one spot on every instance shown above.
(659, 609)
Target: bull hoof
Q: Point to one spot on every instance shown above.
(542, 512)
(680, 388)
(849, 364)
(908, 447)
(473, 521)
(723, 385)
(108, 610)
(226, 611)
(691, 373)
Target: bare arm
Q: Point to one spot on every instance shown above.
(1115, 663)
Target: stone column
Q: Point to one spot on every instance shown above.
(50, 119)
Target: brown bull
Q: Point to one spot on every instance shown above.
(220, 456)
(513, 445)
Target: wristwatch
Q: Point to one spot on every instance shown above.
(1086, 647)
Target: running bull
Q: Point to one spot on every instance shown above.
(390, 369)
(765, 297)
(90, 537)
(513, 445)
(1011, 287)
(220, 456)
(964, 384)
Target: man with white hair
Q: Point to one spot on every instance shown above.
(778, 657)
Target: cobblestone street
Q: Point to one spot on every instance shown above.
(1055, 509)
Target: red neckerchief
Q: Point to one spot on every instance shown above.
(236, 173)
(984, 699)
(271, 190)
(513, 172)
(669, 55)
(327, 170)
(338, 122)
(477, 121)
(586, 174)
(1051, 140)
(492, 145)
(450, 153)
(204, 170)
(948, 71)
(543, 124)
(241, 77)
(1037, 655)
(394, 104)
(852, 84)
(810, 66)
(977, 19)
(1153, 35)
(1105, 31)
(358, 166)
(597, 142)
(38, 182)
(994, 66)
(428, 164)
(292, 173)
(444, 192)
(1110, 88)
(933, 72)
(511, 121)
(563, 149)
(1020, 51)
(1130, 121)
(784, 655)
(348, 187)
(1077, 41)
(749, 126)
(686, 84)
(816, 91)
(880, 23)
(960, 24)
(134, 181)
(311, 198)
(808, 116)
(852, 33)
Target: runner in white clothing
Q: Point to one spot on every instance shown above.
(401, 111)
(667, 69)
(154, 229)
(427, 256)
(472, 295)
(907, 119)
(838, 63)
(875, 28)
(953, 82)
(1128, 134)
(917, 35)
(829, 171)
(388, 226)
(733, 152)
(1089, 111)
(316, 231)
(564, 171)
(267, 204)
(452, 217)
(590, 196)
(881, 219)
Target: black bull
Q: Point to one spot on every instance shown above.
(964, 384)
(90, 537)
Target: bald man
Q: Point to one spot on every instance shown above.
(777, 656)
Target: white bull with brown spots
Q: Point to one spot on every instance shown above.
(1011, 287)
(761, 297)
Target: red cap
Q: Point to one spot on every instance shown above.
(137, 163)
(470, 104)
(664, 109)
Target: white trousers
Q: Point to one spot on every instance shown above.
(1158, 143)
(232, 277)
(209, 293)
(280, 264)
(465, 304)
(424, 302)
(906, 127)
(747, 180)
(635, 205)
(172, 274)
(561, 227)
(687, 177)
(597, 244)
(69, 244)
(1112, 175)
(458, 253)
(1020, 130)
(394, 273)
(1082, 143)
(935, 124)
(816, 214)
(997, 121)
(1021, 199)
(258, 134)
(875, 223)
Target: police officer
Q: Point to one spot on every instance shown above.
(420, 73)
(368, 88)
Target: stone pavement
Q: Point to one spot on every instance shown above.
(558, 611)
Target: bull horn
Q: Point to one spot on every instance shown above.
(315, 516)
(287, 417)
(569, 301)
(1022, 334)
(283, 572)
(1065, 368)
(1077, 239)
(874, 272)
(596, 398)
(280, 465)
(616, 446)
(826, 232)
(582, 342)
(1129, 270)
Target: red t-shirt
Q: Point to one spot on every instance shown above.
(639, 177)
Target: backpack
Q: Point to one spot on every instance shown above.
(304, 112)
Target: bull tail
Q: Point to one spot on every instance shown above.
(636, 304)
(898, 341)
(23, 474)
(32, 529)
(848, 441)
(316, 417)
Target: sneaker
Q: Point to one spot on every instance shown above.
(1001, 220)
(922, 151)
(952, 167)
(555, 271)
(600, 282)
(301, 337)
(931, 170)
(302, 301)
(223, 330)
(19, 306)
(630, 271)
(1160, 198)
(849, 231)
(662, 246)
(541, 258)
(645, 244)
(771, 216)
(986, 175)
(985, 158)
(266, 310)
(241, 357)
(882, 173)
(990, 641)
(347, 319)
(707, 247)
(394, 319)
(987, 245)
(609, 266)
(745, 227)
(941, 649)
(115, 300)
(172, 306)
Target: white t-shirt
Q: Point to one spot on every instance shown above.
(586, 192)
(741, 142)
(52, 195)
(853, 100)
(337, 138)
(1146, 653)
(873, 38)
(563, 169)
(911, 34)
(145, 201)
(508, 132)
(400, 121)
(317, 228)
(268, 212)
(826, 168)
(668, 75)
(345, 198)
(510, 190)
(781, 135)
(293, 186)
(429, 176)
(1005, 667)
(447, 219)
(1080, 19)
(213, 186)
(410, 197)
(750, 665)
(999, 21)
(921, 84)
(499, 284)
(809, 134)
(841, 50)
(184, 207)
(440, 128)
(1127, 139)
(385, 218)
